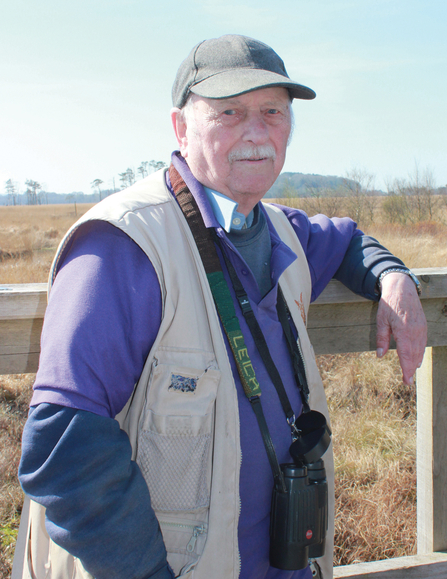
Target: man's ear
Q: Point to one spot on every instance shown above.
(179, 124)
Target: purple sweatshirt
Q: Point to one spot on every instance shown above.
(102, 318)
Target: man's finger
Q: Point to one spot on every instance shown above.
(383, 335)
(400, 314)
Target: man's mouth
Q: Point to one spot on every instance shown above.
(253, 154)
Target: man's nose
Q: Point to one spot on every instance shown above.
(256, 129)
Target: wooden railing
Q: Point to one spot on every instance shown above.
(339, 322)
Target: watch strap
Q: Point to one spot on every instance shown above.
(406, 271)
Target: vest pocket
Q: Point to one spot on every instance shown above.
(174, 466)
(175, 436)
(185, 540)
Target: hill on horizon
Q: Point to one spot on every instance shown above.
(291, 184)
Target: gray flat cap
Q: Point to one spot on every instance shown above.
(232, 65)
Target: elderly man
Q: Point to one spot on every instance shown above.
(149, 451)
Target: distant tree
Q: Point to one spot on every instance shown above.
(147, 167)
(157, 165)
(323, 200)
(96, 184)
(143, 169)
(42, 198)
(421, 191)
(31, 192)
(127, 178)
(395, 206)
(11, 192)
(413, 199)
(361, 201)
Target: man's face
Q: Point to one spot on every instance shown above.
(236, 146)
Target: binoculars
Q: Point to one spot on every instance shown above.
(299, 516)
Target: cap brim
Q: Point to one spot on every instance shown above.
(235, 82)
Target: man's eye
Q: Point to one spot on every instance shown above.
(273, 111)
(230, 112)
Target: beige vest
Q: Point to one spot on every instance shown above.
(183, 417)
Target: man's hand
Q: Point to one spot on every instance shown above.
(400, 314)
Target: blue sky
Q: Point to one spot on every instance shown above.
(85, 86)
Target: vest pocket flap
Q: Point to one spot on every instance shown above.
(182, 390)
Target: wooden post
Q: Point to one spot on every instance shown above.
(431, 380)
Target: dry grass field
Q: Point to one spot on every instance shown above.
(374, 433)
(418, 245)
(373, 412)
(29, 236)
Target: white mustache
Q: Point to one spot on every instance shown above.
(250, 153)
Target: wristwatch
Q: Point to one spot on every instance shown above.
(398, 270)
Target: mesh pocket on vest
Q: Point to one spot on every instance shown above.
(174, 467)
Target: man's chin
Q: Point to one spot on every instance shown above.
(253, 180)
(254, 189)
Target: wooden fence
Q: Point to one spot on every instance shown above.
(339, 322)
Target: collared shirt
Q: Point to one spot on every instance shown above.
(225, 211)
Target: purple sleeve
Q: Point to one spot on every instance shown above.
(102, 318)
(325, 242)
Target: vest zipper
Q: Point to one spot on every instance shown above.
(196, 531)
(239, 508)
(302, 359)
